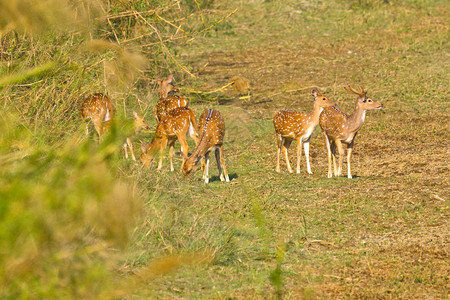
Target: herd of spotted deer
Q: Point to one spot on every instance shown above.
(175, 120)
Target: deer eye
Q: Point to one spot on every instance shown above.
(324, 99)
(370, 100)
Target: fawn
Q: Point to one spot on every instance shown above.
(339, 127)
(138, 124)
(99, 109)
(175, 125)
(299, 126)
(166, 103)
(212, 131)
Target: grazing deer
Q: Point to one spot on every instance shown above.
(299, 126)
(138, 124)
(177, 123)
(212, 131)
(166, 103)
(340, 128)
(99, 109)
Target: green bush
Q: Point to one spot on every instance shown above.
(62, 212)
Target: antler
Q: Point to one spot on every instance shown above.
(361, 93)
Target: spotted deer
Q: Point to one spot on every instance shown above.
(290, 125)
(174, 126)
(212, 131)
(99, 109)
(166, 103)
(340, 128)
(138, 124)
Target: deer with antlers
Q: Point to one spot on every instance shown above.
(166, 103)
(212, 131)
(99, 109)
(139, 123)
(174, 126)
(298, 126)
(340, 128)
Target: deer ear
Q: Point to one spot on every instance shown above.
(135, 115)
(314, 93)
(170, 78)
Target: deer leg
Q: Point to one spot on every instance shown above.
(205, 172)
(340, 149)
(327, 144)
(170, 144)
(160, 161)
(147, 160)
(222, 160)
(98, 128)
(279, 143)
(284, 148)
(161, 151)
(333, 156)
(349, 156)
(125, 146)
(184, 148)
(130, 145)
(217, 153)
(193, 134)
(299, 153)
(171, 157)
(308, 166)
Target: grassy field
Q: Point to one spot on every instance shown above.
(79, 221)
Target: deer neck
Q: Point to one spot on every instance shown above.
(314, 115)
(163, 94)
(356, 119)
(200, 151)
(136, 127)
(202, 147)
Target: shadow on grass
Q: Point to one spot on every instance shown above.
(217, 178)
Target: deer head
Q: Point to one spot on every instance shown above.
(139, 122)
(146, 157)
(320, 99)
(189, 165)
(166, 86)
(364, 102)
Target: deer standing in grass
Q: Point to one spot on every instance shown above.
(175, 125)
(138, 124)
(340, 128)
(299, 126)
(166, 103)
(99, 109)
(212, 131)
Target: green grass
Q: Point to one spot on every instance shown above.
(80, 221)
